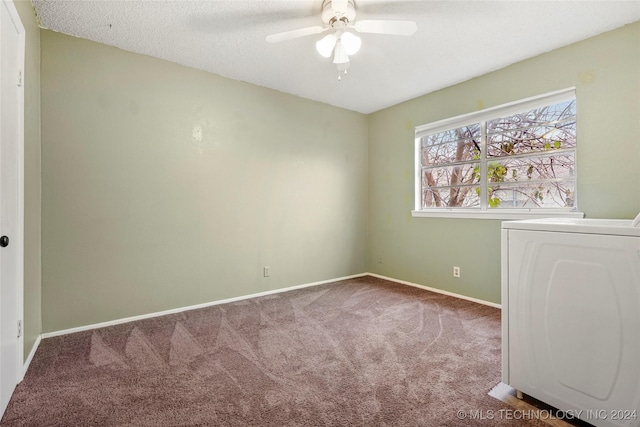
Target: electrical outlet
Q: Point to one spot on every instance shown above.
(266, 271)
(456, 271)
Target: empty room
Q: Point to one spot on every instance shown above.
(338, 212)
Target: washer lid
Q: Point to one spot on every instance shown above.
(620, 227)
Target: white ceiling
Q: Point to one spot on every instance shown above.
(455, 41)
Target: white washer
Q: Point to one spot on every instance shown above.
(571, 316)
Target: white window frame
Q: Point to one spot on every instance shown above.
(482, 116)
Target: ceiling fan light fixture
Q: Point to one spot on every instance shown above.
(325, 45)
(351, 42)
(340, 54)
(339, 23)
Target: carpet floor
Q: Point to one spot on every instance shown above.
(360, 352)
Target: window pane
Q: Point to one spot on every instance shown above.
(455, 145)
(451, 175)
(531, 168)
(458, 197)
(534, 195)
(452, 135)
(544, 129)
(527, 159)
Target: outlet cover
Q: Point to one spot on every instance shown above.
(456, 271)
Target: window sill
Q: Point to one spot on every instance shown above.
(502, 214)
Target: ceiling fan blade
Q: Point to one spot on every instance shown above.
(339, 7)
(293, 34)
(398, 28)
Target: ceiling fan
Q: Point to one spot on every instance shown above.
(338, 17)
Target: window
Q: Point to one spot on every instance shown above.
(511, 161)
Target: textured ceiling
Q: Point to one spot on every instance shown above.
(455, 41)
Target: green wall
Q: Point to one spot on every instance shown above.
(32, 206)
(164, 186)
(606, 73)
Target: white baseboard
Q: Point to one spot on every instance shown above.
(240, 298)
(439, 291)
(30, 357)
(191, 307)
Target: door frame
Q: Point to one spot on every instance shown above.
(10, 8)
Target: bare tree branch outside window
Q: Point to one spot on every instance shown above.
(529, 161)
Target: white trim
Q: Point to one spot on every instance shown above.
(20, 219)
(30, 357)
(417, 163)
(501, 214)
(191, 307)
(19, 241)
(481, 117)
(244, 297)
(438, 291)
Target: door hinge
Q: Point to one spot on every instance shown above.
(19, 328)
(20, 78)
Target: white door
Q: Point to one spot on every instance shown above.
(11, 208)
